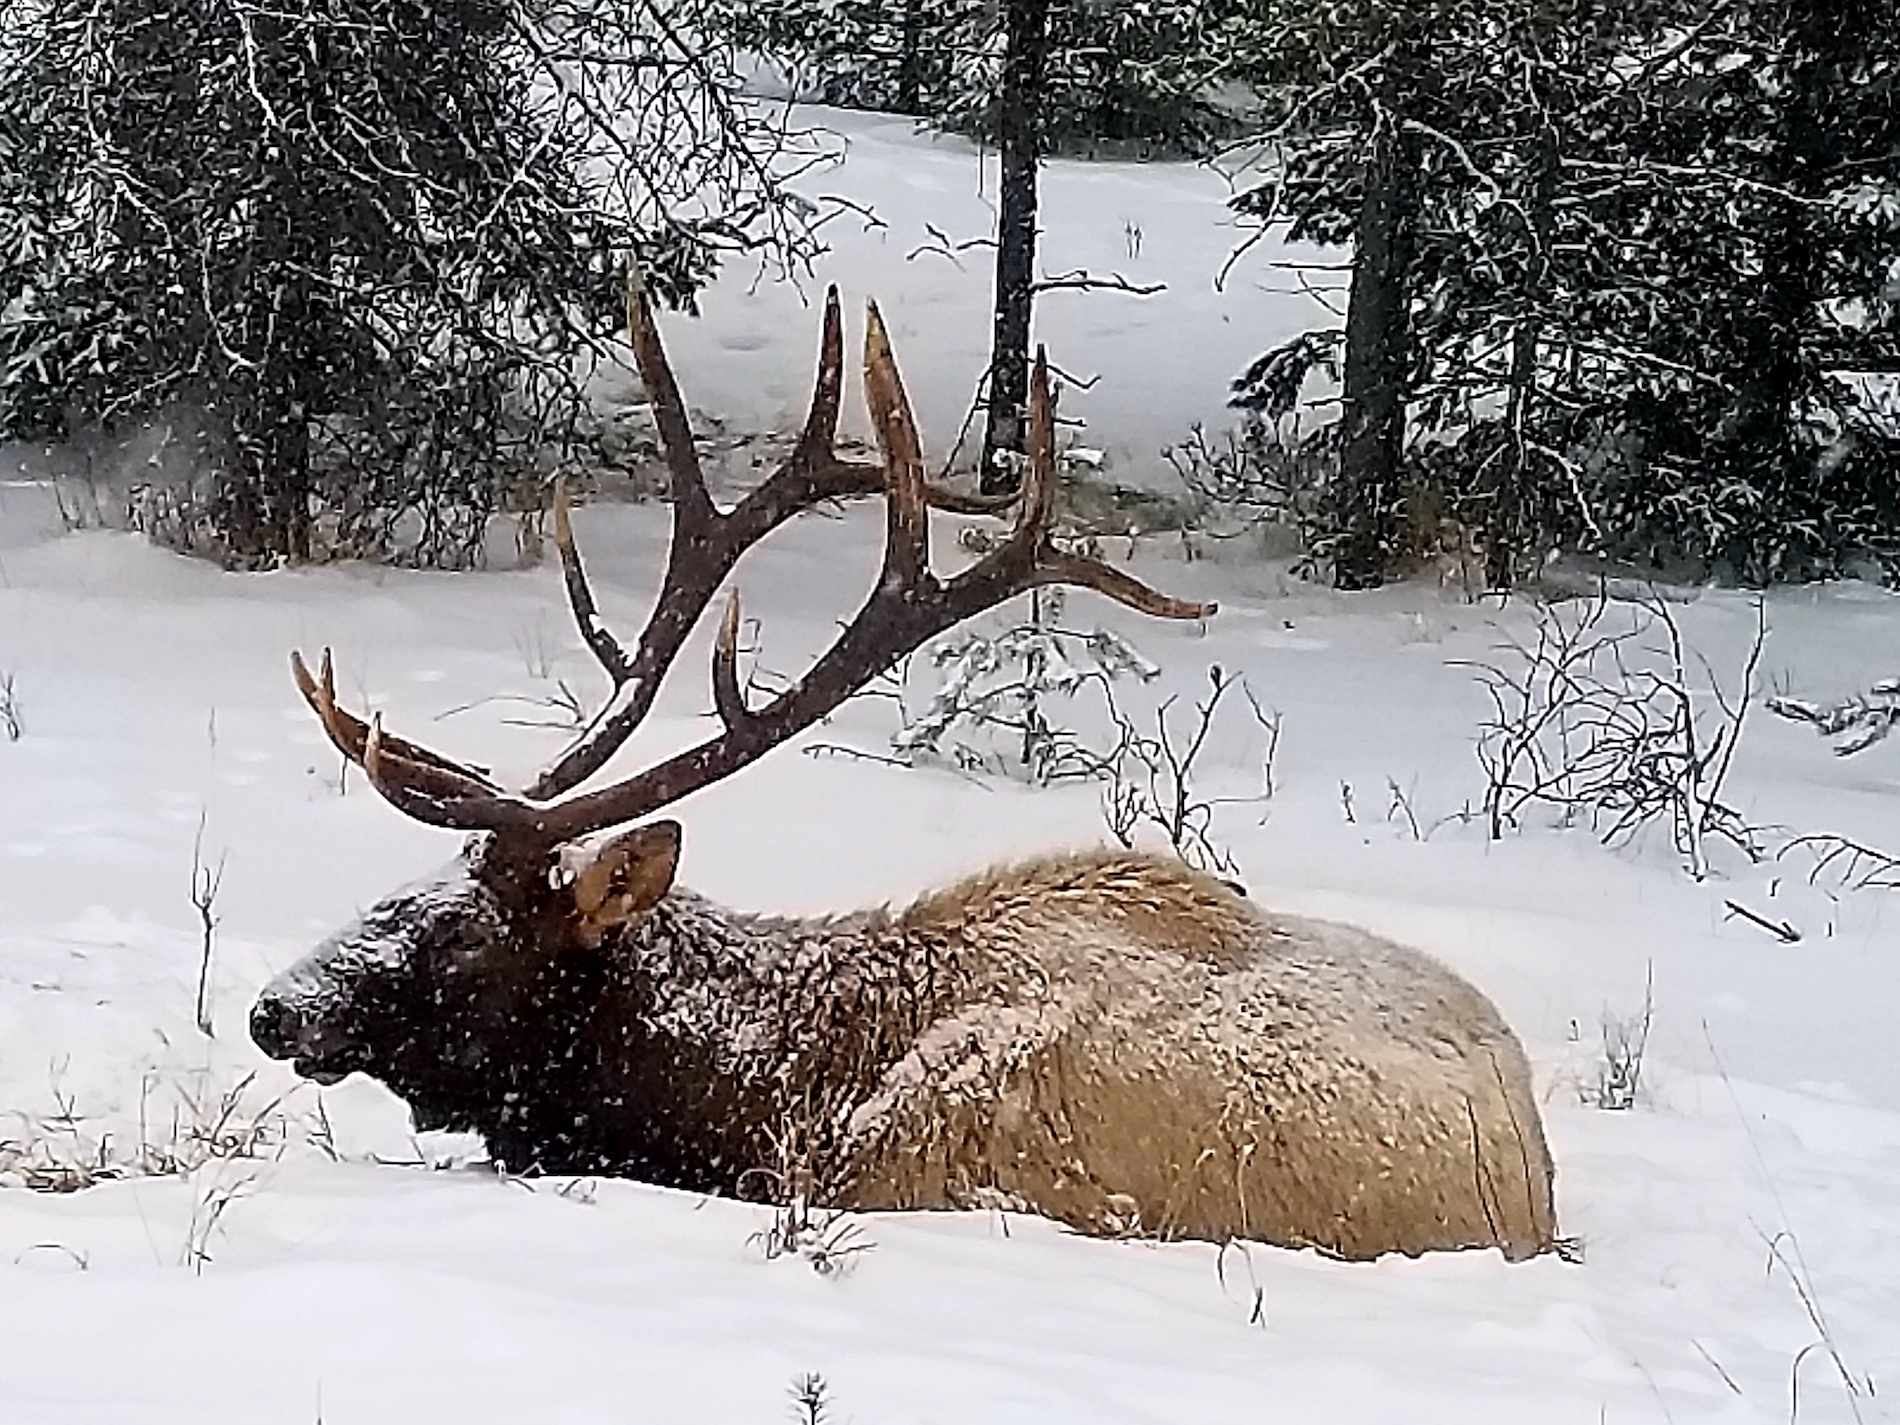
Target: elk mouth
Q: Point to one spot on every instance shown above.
(283, 1030)
(427, 1119)
(321, 1071)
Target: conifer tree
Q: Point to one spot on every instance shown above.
(1650, 264)
(365, 240)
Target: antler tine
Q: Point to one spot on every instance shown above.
(413, 779)
(821, 424)
(907, 534)
(437, 795)
(605, 646)
(580, 595)
(320, 693)
(691, 504)
(1039, 481)
(1055, 566)
(727, 697)
(350, 733)
(1031, 557)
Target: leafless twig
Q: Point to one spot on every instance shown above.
(1797, 1272)
(1847, 863)
(1080, 280)
(1781, 930)
(10, 722)
(1859, 722)
(1400, 806)
(940, 245)
(205, 881)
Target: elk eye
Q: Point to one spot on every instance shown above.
(466, 955)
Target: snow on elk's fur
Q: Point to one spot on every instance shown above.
(1107, 1038)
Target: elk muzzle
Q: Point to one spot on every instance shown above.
(276, 1027)
(285, 1028)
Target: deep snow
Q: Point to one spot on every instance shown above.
(1757, 1177)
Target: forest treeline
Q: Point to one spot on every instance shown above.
(1624, 278)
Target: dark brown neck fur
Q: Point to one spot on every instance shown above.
(719, 1052)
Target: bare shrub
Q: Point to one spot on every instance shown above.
(1625, 1038)
(1258, 476)
(1606, 717)
(824, 1237)
(1267, 472)
(10, 722)
(65, 1149)
(1151, 776)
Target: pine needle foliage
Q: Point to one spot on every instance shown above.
(363, 242)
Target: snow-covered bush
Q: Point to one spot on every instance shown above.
(1859, 722)
(1012, 688)
(1004, 688)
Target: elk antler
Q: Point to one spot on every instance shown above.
(706, 542)
(908, 606)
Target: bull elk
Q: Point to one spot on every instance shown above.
(1107, 1038)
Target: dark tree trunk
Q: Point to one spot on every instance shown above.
(1761, 424)
(910, 63)
(1020, 140)
(264, 507)
(1507, 545)
(1378, 352)
(269, 483)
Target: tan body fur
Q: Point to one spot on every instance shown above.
(1139, 1048)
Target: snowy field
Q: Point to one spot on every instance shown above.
(1740, 1223)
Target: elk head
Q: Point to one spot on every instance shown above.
(453, 989)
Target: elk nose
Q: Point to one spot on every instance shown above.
(276, 1028)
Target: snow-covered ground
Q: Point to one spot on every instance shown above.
(1746, 1209)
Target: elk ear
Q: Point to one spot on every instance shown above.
(626, 879)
